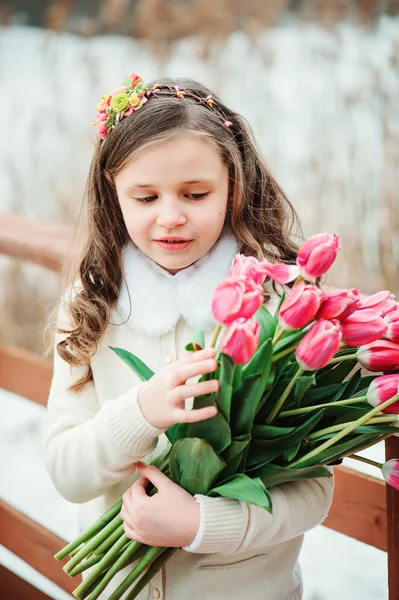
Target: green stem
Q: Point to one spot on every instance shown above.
(373, 463)
(340, 426)
(278, 334)
(153, 569)
(279, 355)
(338, 359)
(93, 543)
(283, 397)
(149, 557)
(215, 336)
(305, 409)
(110, 541)
(89, 533)
(85, 564)
(345, 432)
(107, 561)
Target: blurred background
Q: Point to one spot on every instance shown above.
(318, 80)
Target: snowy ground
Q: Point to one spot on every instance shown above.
(334, 566)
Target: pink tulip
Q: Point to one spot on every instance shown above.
(338, 304)
(379, 356)
(390, 471)
(319, 345)
(382, 389)
(241, 340)
(300, 306)
(236, 298)
(247, 266)
(383, 301)
(363, 327)
(279, 272)
(317, 254)
(392, 321)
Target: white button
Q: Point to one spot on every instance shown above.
(156, 593)
(168, 359)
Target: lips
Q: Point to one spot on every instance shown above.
(172, 239)
(173, 243)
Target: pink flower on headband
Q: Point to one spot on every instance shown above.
(132, 94)
(120, 103)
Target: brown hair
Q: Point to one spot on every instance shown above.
(262, 218)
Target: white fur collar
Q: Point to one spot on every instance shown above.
(158, 299)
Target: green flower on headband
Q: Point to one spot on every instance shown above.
(120, 102)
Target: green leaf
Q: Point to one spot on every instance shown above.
(137, 365)
(274, 475)
(260, 361)
(270, 432)
(243, 405)
(320, 394)
(292, 452)
(267, 324)
(215, 431)
(128, 83)
(282, 298)
(290, 338)
(302, 385)
(198, 342)
(263, 366)
(236, 447)
(341, 450)
(241, 487)
(335, 373)
(194, 465)
(262, 451)
(224, 393)
(176, 432)
(369, 429)
(233, 456)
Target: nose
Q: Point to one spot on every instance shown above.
(170, 215)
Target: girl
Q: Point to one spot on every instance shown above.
(176, 189)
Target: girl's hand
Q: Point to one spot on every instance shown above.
(161, 399)
(169, 518)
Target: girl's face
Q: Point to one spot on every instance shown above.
(176, 190)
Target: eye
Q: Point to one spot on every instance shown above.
(198, 196)
(146, 199)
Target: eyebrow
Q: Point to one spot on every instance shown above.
(152, 185)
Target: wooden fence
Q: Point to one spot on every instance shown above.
(364, 508)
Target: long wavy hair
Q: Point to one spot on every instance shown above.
(261, 216)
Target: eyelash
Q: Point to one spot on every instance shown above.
(149, 199)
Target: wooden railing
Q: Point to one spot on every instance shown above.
(364, 508)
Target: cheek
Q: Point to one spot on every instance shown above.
(136, 220)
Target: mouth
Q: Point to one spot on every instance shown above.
(173, 243)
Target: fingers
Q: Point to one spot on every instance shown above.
(150, 473)
(190, 390)
(187, 371)
(194, 357)
(192, 416)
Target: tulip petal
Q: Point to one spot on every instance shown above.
(390, 471)
(280, 273)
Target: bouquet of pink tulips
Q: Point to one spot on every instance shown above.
(292, 399)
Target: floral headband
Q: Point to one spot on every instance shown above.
(131, 96)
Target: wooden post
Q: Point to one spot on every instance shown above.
(392, 451)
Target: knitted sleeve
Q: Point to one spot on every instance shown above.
(231, 526)
(90, 448)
